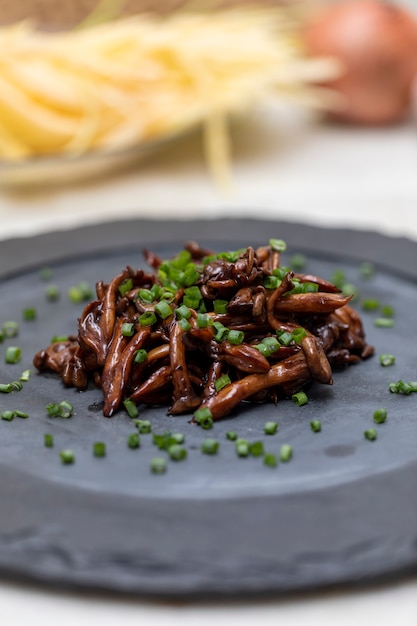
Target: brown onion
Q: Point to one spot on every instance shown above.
(377, 45)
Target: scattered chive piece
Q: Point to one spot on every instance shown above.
(271, 282)
(298, 261)
(16, 385)
(133, 440)
(384, 322)
(210, 446)
(231, 435)
(370, 304)
(45, 273)
(158, 465)
(270, 428)
(13, 354)
(242, 447)
(366, 269)
(178, 437)
(222, 382)
(235, 337)
(128, 329)
(185, 324)
(6, 387)
(299, 334)
(99, 449)
(256, 448)
(7, 415)
(59, 338)
(204, 418)
(10, 329)
(147, 319)
(285, 338)
(79, 293)
(401, 387)
(52, 293)
(183, 312)
(202, 320)
(263, 349)
(300, 398)
(380, 416)
(65, 409)
(413, 385)
(270, 460)
(285, 453)
(67, 457)
(220, 306)
(141, 356)
(21, 414)
(143, 426)
(48, 440)
(29, 314)
(146, 295)
(177, 452)
(315, 426)
(126, 286)
(278, 245)
(163, 309)
(386, 359)
(370, 434)
(1, 336)
(52, 409)
(131, 408)
(24, 377)
(387, 310)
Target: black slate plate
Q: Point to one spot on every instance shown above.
(343, 510)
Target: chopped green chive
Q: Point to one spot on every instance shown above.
(183, 312)
(125, 287)
(185, 324)
(29, 314)
(387, 310)
(315, 426)
(143, 426)
(400, 387)
(79, 293)
(204, 418)
(177, 452)
(48, 440)
(21, 414)
(270, 460)
(52, 409)
(284, 337)
(300, 398)
(270, 428)
(52, 293)
(384, 322)
(158, 465)
(231, 435)
(131, 408)
(370, 304)
(271, 282)
(256, 448)
(202, 320)
(59, 338)
(222, 382)
(12, 355)
(16, 385)
(210, 446)
(10, 329)
(140, 356)
(235, 337)
(285, 453)
(24, 377)
(133, 441)
(220, 306)
(128, 329)
(386, 359)
(221, 331)
(366, 269)
(147, 319)
(7, 415)
(242, 447)
(298, 261)
(163, 309)
(6, 387)
(146, 296)
(278, 245)
(263, 348)
(45, 273)
(99, 449)
(380, 416)
(67, 457)
(65, 409)
(370, 434)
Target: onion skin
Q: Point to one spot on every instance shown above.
(376, 43)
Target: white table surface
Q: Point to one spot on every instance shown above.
(285, 167)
